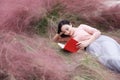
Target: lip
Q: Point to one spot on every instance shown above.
(70, 32)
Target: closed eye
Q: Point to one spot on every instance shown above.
(67, 29)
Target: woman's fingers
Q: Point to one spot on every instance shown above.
(78, 45)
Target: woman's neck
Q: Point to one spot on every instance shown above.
(73, 30)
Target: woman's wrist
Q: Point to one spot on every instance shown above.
(56, 37)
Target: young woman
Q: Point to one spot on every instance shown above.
(90, 39)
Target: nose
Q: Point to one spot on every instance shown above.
(67, 32)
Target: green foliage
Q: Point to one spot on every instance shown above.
(41, 26)
(47, 22)
(75, 19)
(54, 13)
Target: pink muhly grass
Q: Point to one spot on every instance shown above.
(26, 58)
(17, 15)
(108, 18)
(111, 16)
(82, 7)
(23, 57)
(103, 13)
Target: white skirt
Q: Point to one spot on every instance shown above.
(107, 50)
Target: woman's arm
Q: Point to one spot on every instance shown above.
(58, 38)
(95, 33)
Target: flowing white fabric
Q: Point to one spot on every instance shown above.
(107, 50)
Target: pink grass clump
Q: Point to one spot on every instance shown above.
(111, 16)
(28, 58)
(102, 13)
(17, 15)
(108, 17)
(23, 57)
(84, 8)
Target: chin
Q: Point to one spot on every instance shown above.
(71, 33)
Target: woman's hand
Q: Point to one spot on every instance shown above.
(82, 44)
(61, 33)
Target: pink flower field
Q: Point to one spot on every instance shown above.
(25, 55)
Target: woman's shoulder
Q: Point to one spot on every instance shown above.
(85, 26)
(82, 25)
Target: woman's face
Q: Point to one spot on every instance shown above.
(66, 29)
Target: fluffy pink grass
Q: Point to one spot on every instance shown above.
(111, 16)
(103, 13)
(25, 58)
(83, 7)
(108, 17)
(17, 15)
(30, 58)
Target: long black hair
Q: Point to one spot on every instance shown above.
(61, 23)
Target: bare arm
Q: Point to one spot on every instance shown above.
(93, 31)
(94, 35)
(58, 38)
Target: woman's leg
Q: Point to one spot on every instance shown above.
(107, 50)
(114, 64)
